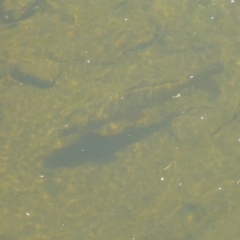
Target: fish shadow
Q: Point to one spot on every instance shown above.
(93, 148)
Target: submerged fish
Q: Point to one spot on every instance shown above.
(114, 113)
(111, 125)
(8, 17)
(99, 149)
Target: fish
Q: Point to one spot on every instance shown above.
(30, 79)
(94, 144)
(7, 18)
(121, 110)
(93, 148)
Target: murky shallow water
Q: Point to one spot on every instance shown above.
(180, 168)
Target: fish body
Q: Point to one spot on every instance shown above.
(93, 148)
(8, 18)
(112, 125)
(114, 113)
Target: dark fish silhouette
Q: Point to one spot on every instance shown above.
(8, 18)
(30, 79)
(99, 149)
(95, 145)
(117, 112)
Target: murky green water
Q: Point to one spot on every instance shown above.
(115, 123)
